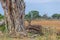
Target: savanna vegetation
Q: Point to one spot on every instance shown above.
(31, 26)
(49, 25)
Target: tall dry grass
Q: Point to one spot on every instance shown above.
(49, 34)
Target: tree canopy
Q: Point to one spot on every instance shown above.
(57, 16)
(33, 15)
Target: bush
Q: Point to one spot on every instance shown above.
(2, 28)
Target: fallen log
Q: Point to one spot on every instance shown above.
(36, 29)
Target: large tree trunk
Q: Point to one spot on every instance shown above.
(14, 15)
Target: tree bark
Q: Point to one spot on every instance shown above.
(14, 11)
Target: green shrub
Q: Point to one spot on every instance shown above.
(2, 28)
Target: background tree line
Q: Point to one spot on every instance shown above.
(35, 15)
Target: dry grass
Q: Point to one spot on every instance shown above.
(8, 38)
(55, 23)
(46, 23)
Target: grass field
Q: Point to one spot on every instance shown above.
(46, 23)
(55, 23)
